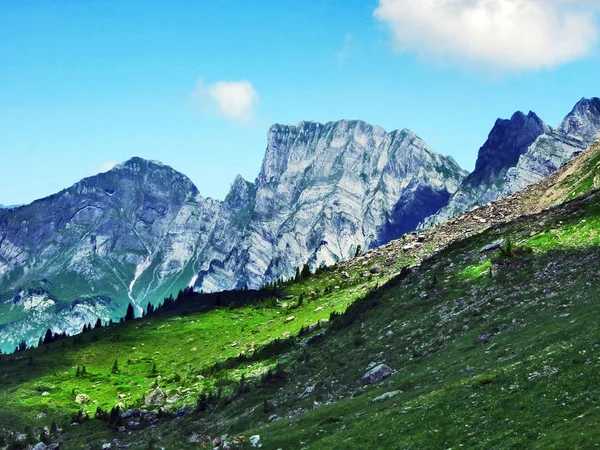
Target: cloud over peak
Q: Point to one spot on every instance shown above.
(501, 35)
(234, 100)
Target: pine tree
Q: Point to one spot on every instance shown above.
(358, 251)
(115, 367)
(98, 324)
(202, 402)
(130, 314)
(305, 272)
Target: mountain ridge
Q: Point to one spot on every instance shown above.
(142, 231)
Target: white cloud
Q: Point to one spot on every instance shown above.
(105, 167)
(501, 35)
(233, 100)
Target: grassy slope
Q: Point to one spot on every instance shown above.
(485, 359)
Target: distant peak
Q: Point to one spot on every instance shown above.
(587, 103)
(137, 161)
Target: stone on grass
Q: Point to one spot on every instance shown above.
(82, 398)
(376, 374)
(255, 441)
(386, 396)
(309, 390)
(155, 397)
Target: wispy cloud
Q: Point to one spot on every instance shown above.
(498, 35)
(234, 100)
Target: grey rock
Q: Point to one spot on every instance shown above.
(323, 190)
(492, 246)
(385, 396)
(309, 390)
(377, 374)
(39, 446)
(255, 441)
(155, 397)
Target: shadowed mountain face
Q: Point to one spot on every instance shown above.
(142, 231)
(519, 152)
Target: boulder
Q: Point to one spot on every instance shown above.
(306, 392)
(255, 441)
(376, 374)
(386, 396)
(82, 399)
(155, 397)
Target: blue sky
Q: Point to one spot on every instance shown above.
(197, 84)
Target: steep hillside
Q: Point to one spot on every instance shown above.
(445, 334)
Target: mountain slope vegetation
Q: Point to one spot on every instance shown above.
(482, 332)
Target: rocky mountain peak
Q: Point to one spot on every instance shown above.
(583, 122)
(240, 192)
(507, 141)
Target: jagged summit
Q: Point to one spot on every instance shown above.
(583, 122)
(506, 142)
(521, 151)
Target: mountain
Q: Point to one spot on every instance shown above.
(519, 152)
(128, 235)
(141, 231)
(507, 141)
(579, 129)
(323, 191)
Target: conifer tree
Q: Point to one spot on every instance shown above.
(115, 367)
(130, 314)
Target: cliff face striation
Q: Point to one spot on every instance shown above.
(323, 191)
